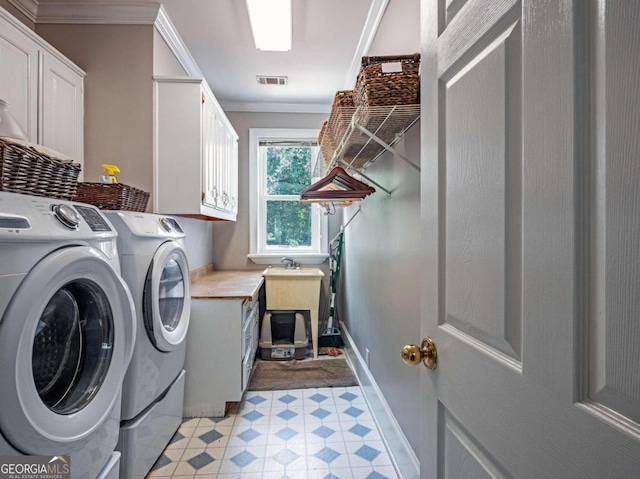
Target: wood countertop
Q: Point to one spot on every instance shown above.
(209, 284)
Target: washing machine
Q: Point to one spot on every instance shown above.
(67, 332)
(154, 265)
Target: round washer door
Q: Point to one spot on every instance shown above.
(66, 340)
(167, 297)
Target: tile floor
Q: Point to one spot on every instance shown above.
(326, 433)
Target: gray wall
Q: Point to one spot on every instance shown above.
(118, 99)
(379, 299)
(164, 61)
(120, 61)
(232, 238)
(199, 241)
(399, 30)
(16, 13)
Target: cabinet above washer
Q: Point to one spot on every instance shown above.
(43, 88)
(196, 155)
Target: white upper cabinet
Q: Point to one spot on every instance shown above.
(19, 76)
(43, 88)
(62, 108)
(196, 156)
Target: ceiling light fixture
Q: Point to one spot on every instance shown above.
(270, 24)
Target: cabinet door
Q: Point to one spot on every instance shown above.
(210, 188)
(232, 158)
(222, 166)
(19, 77)
(62, 108)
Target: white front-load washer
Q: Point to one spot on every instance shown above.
(66, 333)
(154, 265)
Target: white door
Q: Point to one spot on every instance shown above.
(167, 304)
(530, 209)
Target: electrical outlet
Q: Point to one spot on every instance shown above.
(366, 356)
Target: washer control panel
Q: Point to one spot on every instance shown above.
(94, 219)
(31, 218)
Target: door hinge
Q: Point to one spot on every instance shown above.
(202, 196)
(203, 98)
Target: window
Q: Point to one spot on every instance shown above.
(281, 163)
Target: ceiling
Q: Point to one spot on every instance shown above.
(329, 38)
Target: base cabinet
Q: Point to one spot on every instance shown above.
(221, 347)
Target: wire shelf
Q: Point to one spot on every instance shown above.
(357, 136)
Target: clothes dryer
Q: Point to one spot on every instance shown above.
(154, 265)
(66, 333)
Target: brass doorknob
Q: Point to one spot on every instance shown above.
(425, 353)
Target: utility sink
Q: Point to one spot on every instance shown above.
(291, 289)
(292, 272)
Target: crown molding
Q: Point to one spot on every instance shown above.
(29, 8)
(169, 33)
(92, 12)
(267, 107)
(371, 24)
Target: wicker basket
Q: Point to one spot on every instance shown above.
(112, 196)
(339, 118)
(24, 169)
(391, 80)
(327, 143)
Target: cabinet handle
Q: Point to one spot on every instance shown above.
(233, 202)
(225, 198)
(214, 192)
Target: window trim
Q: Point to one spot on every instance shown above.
(257, 252)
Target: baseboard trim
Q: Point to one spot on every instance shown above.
(404, 459)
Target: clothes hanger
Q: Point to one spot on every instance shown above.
(337, 186)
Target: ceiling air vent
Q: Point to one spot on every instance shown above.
(270, 80)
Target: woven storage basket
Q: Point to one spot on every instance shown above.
(23, 169)
(327, 143)
(340, 116)
(112, 196)
(375, 87)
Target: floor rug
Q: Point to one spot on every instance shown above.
(279, 375)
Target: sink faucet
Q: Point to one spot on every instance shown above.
(289, 262)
